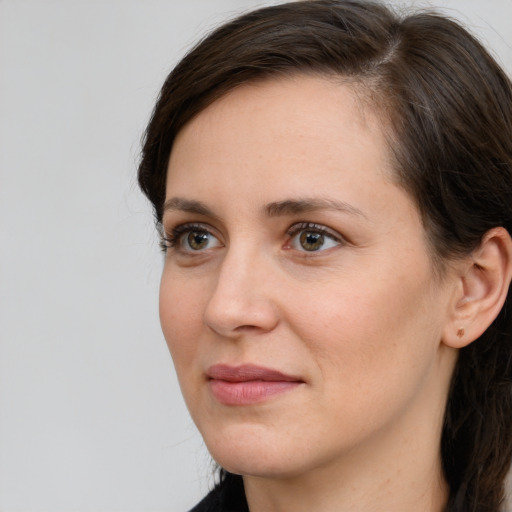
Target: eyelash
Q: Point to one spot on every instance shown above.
(172, 240)
(317, 229)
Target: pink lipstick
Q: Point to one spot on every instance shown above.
(248, 384)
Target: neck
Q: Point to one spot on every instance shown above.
(396, 489)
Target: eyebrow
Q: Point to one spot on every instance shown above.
(306, 205)
(188, 206)
(274, 209)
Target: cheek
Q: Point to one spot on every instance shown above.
(180, 318)
(373, 351)
(370, 326)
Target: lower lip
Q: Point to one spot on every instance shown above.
(248, 392)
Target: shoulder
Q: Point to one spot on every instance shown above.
(227, 496)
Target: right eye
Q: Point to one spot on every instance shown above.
(191, 238)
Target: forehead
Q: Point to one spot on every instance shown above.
(281, 123)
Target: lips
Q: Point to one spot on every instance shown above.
(248, 384)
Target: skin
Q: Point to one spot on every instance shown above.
(360, 320)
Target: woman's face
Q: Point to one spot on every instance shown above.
(298, 298)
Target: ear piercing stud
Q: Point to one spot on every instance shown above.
(460, 333)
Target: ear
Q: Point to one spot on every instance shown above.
(482, 287)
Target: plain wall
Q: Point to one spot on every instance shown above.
(91, 417)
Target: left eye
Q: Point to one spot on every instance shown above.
(190, 238)
(313, 240)
(198, 240)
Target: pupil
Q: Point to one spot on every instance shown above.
(197, 240)
(311, 241)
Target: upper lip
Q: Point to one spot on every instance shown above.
(248, 372)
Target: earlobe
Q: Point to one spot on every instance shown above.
(482, 289)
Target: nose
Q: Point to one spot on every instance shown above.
(242, 300)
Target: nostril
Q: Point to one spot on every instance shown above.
(237, 318)
(247, 328)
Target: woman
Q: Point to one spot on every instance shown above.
(333, 184)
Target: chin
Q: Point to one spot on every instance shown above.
(252, 450)
(264, 465)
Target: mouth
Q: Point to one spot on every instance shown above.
(248, 384)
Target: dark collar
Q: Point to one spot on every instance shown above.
(227, 496)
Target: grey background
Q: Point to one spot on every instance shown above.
(91, 418)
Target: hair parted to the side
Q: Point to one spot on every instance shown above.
(447, 106)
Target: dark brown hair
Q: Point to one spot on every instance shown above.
(448, 108)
